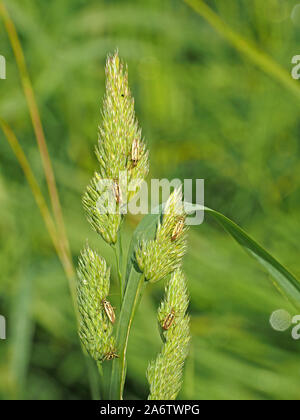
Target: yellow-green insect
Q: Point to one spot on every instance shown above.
(178, 228)
(117, 191)
(169, 320)
(109, 310)
(135, 152)
(112, 354)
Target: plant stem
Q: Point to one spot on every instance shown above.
(93, 377)
(118, 271)
(39, 133)
(42, 205)
(132, 294)
(121, 262)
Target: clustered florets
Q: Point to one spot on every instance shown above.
(121, 153)
(95, 329)
(161, 256)
(123, 163)
(165, 373)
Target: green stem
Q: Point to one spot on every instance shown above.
(118, 271)
(121, 263)
(93, 377)
(130, 302)
(104, 370)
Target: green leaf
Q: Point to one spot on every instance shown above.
(286, 282)
(250, 50)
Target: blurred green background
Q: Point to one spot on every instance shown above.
(206, 112)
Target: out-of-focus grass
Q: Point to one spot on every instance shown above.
(207, 112)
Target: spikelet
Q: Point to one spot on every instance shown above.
(95, 329)
(159, 257)
(165, 373)
(120, 145)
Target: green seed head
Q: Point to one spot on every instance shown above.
(95, 329)
(121, 152)
(104, 222)
(159, 257)
(176, 298)
(165, 373)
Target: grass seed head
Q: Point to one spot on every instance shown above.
(169, 319)
(93, 286)
(119, 138)
(109, 310)
(159, 257)
(165, 373)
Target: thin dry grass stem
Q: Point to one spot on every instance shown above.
(50, 225)
(39, 132)
(249, 49)
(41, 202)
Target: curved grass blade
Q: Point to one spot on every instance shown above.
(39, 133)
(246, 47)
(41, 202)
(286, 282)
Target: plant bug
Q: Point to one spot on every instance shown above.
(109, 310)
(112, 354)
(169, 320)
(117, 191)
(178, 229)
(135, 151)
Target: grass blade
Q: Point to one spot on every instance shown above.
(286, 282)
(258, 57)
(38, 130)
(42, 205)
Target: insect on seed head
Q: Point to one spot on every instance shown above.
(112, 354)
(109, 310)
(135, 151)
(117, 190)
(169, 320)
(178, 228)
